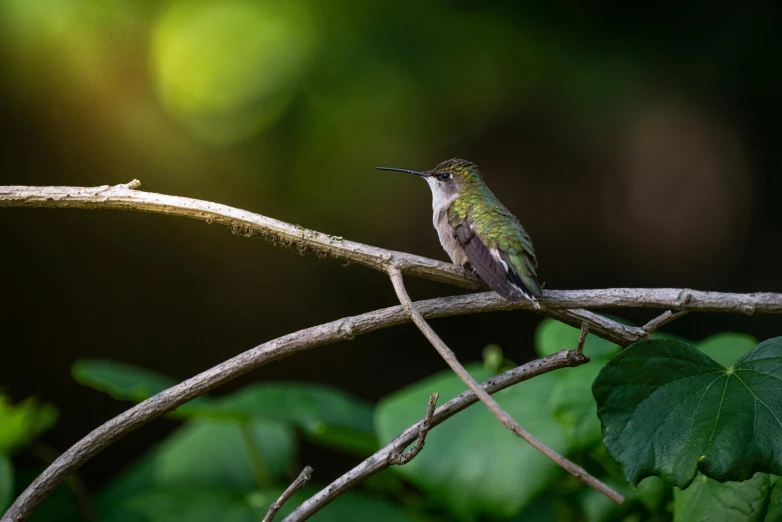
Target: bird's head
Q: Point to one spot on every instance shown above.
(448, 177)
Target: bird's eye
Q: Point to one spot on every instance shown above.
(445, 176)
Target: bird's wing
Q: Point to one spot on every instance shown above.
(488, 265)
(514, 248)
(520, 259)
(506, 263)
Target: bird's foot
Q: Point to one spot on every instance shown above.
(469, 271)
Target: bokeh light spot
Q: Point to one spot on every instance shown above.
(227, 70)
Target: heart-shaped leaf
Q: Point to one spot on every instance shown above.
(472, 464)
(706, 500)
(669, 410)
(575, 410)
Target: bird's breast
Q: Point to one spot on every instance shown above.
(445, 233)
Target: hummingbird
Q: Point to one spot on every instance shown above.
(477, 231)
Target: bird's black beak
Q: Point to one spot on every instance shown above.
(416, 172)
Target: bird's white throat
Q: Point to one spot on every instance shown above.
(442, 199)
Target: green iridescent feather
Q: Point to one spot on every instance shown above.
(494, 225)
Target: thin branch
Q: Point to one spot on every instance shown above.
(582, 337)
(125, 197)
(380, 459)
(506, 420)
(663, 319)
(399, 458)
(300, 482)
(81, 495)
(168, 400)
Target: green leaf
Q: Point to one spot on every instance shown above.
(553, 336)
(208, 453)
(471, 464)
(576, 410)
(774, 513)
(125, 382)
(225, 505)
(222, 453)
(707, 500)
(6, 483)
(669, 410)
(121, 381)
(596, 507)
(169, 504)
(325, 415)
(572, 405)
(22, 423)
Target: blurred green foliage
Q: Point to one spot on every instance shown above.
(706, 500)
(20, 424)
(236, 81)
(322, 414)
(6, 482)
(480, 468)
(233, 455)
(306, 83)
(23, 422)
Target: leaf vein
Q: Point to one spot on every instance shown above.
(760, 401)
(695, 412)
(758, 371)
(719, 411)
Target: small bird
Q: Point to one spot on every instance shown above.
(476, 229)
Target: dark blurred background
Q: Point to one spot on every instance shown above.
(639, 147)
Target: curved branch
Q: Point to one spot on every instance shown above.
(562, 305)
(380, 460)
(126, 197)
(505, 419)
(168, 400)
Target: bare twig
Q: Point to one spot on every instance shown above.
(380, 460)
(81, 494)
(506, 420)
(582, 337)
(297, 484)
(663, 319)
(400, 459)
